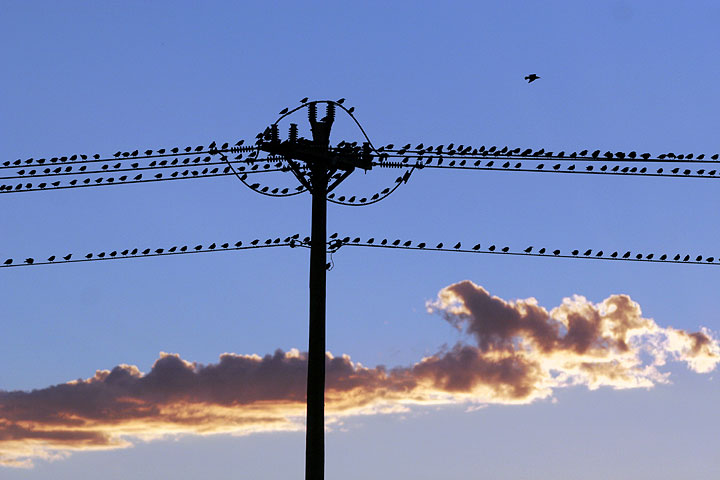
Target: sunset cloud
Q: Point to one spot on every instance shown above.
(515, 352)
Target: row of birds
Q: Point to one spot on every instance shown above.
(112, 180)
(255, 164)
(292, 241)
(212, 148)
(529, 152)
(558, 166)
(337, 242)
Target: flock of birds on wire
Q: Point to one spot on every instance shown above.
(125, 166)
(336, 242)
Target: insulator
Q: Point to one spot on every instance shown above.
(330, 112)
(274, 135)
(312, 112)
(293, 135)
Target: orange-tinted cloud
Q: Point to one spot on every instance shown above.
(520, 352)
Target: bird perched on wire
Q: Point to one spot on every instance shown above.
(531, 78)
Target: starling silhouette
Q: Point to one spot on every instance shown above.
(556, 252)
(198, 247)
(457, 245)
(575, 252)
(396, 242)
(30, 261)
(531, 78)
(505, 249)
(491, 248)
(146, 251)
(541, 166)
(8, 261)
(528, 249)
(439, 245)
(89, 256)
(67, 257)
(283, 111)
(587, 252)
(663, 256)
(614, 254)
(626, 255)
(51, 258)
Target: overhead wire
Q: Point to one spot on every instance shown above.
(123, 180)
(128, 253)
(531, 251)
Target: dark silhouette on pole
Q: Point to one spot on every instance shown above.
(314, 164)
(315, 429)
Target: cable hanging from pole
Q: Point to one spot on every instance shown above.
(468, 152)
(337, 242)
(80, 159)
(559, 168)
(122, 180)
(128, 253)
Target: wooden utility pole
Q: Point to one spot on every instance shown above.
(320, 169)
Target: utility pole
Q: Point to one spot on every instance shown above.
(315, 164)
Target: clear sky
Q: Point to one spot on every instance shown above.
(107, 76)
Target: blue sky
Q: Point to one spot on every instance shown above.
(102, 77)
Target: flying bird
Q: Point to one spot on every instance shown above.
(531, 78)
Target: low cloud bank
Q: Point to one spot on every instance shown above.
(518, 352)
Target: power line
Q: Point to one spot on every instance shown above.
(477, 248)
(135, 167)
(559, 168)
(122, 180)
(469, 152)
(336, 242)
(129, 253)
(80, 159)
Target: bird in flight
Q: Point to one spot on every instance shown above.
(531, 78)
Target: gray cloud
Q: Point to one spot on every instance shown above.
(520, 352)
